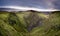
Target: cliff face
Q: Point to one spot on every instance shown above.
(29, 24)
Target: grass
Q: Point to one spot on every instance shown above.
(40, 24)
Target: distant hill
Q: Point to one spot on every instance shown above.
(21, 10)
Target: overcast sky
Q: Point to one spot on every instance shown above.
(41, 4)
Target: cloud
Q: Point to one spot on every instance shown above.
(53, 4)
(27, 8)
(57, 4)
(41, 4)
(50, 4)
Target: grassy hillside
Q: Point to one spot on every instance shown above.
(29, 24)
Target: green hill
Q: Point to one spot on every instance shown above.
(29, 24)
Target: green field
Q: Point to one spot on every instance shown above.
(29, 24)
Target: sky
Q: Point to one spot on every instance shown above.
(38, 4)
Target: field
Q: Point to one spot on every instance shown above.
(29, 24)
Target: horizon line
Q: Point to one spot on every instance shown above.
(28, 8)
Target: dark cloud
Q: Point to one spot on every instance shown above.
(57, 4)
(42, 4)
